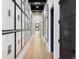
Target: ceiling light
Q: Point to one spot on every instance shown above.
(37, 6)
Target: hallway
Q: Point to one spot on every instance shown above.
(37, 49)
(38, 29)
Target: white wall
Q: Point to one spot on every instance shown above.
(51, 3)
(56, 29)
(47, 27)
(54, 3)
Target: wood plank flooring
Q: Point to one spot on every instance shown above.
(37, 50)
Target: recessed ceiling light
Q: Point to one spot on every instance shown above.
(37, 6)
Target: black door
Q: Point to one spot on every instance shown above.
(67, 29)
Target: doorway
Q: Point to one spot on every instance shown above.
(52, 29)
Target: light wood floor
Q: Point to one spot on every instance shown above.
(37, 50)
